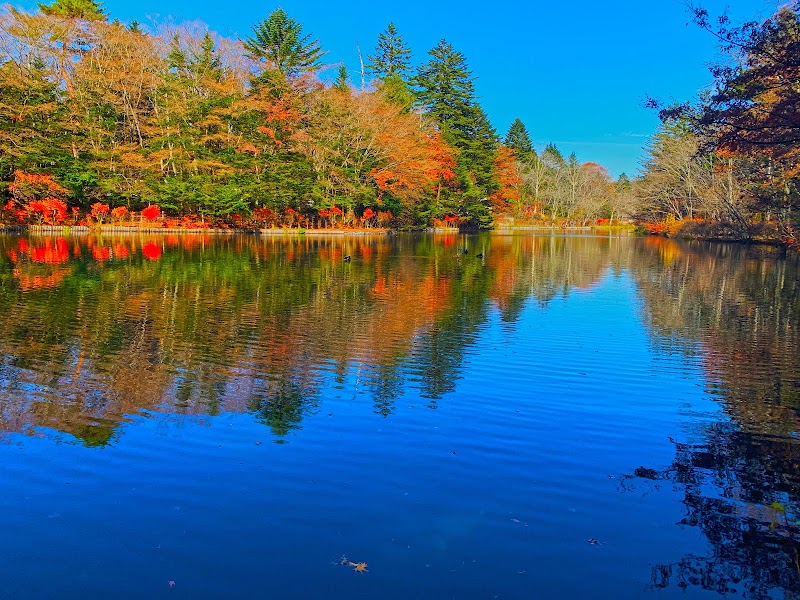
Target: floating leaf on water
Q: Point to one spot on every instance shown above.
(358, 567)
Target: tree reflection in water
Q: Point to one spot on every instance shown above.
(261, 326)
(247, 324)
(739, 478)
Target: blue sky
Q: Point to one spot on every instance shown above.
(576, 72)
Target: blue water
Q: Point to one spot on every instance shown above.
(516, 481)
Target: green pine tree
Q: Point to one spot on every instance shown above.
(341, 79)
(279, 41)
(445, 90)
(519, 140)
(397, 91)
(392, 56)
(552, 156)
(74, 9)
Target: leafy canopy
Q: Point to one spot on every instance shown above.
(445, 90)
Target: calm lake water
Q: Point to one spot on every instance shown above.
(471, 416)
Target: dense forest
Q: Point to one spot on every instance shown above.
(106, 122)
(102, 119)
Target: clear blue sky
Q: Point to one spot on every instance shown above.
(575, 72)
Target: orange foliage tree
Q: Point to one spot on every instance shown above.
(416, 162)
(99, 212)
(505, 163)
(38, 197)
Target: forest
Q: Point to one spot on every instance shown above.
(103, 122)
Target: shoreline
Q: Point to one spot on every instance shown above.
(83, 230)
(279, 231)
(79, 230)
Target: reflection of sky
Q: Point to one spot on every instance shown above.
(495, 492)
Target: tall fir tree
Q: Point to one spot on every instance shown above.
(392, 56)
(445, 90)
(519, 140)
(279, 41)
(342, 76)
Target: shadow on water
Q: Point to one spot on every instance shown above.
(97, 329)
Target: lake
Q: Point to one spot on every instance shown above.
(472, 416)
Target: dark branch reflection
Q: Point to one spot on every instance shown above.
(737, 307)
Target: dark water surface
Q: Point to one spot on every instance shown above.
(565, 417)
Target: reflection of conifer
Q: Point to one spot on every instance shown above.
(386, 384)
(283, 407)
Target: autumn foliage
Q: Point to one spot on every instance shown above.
(181, 128)
(99, 211)
(152, 212)
(508, 174)
(37, 198)
(735, 156)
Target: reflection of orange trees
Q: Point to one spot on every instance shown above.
(32, 281)
(380, 308)
(256, 324)
(669, 250)
(151, 251)
(41, 263)
(49, 251)
(544, 267)
(405, 305)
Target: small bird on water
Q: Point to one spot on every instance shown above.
(347, 258)
(479, 255)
